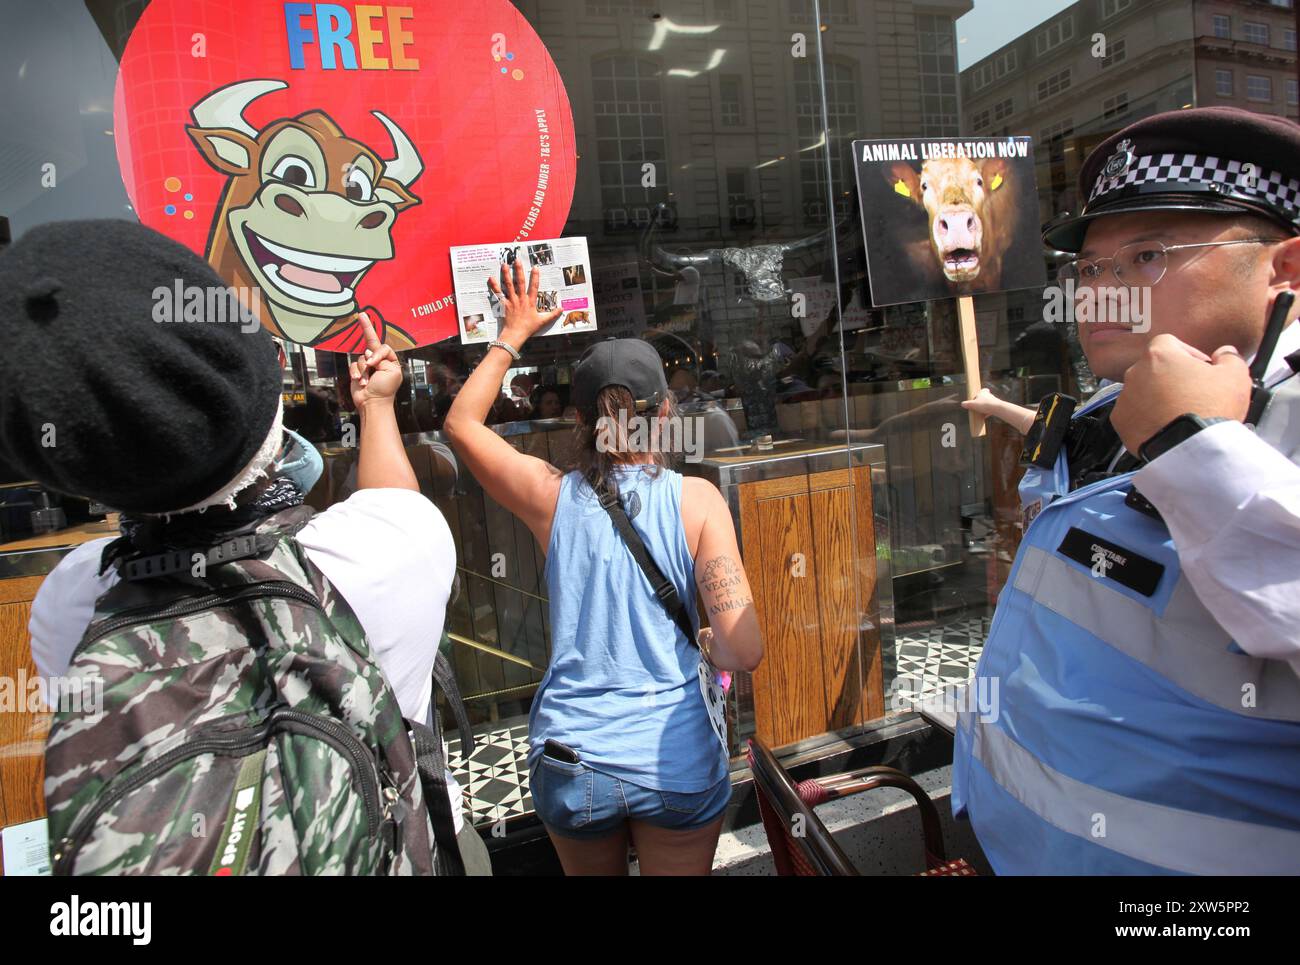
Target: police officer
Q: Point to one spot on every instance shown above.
(1144, 662)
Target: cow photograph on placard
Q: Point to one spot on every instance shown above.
(948, 217)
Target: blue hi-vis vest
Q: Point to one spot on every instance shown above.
(1128, 734)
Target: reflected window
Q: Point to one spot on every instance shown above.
(837, 12)
(1223, 82)
(1058, 131)
(1222, 25)
(724, 9)
(1115, 53)
(935, 41)
(741, 209)
(1255, 33)
(842, 108)
(729, 103)
(628, 105)
(1053, 85)
(1259, 88)
(616, 8)
(1053, 36)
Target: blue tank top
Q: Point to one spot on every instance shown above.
(622, 687)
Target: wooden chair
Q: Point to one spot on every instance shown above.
(785, 806)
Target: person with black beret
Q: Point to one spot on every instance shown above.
(178, 426)
(1138, 699)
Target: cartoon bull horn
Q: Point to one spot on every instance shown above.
(224, 107)
(407, 166)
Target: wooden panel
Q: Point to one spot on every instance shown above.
(833, 572)
(22, 734)
(831, 479)
(846, 579)
(789, 687)
(21, 589)
(820, 672)
(71, 536)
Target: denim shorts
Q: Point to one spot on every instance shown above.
(575, 801)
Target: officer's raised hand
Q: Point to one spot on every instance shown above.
(1172, 378)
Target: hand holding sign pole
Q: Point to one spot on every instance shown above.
(970, 357)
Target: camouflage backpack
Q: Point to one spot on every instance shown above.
(244, 728)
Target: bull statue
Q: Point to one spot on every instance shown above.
(969, 226)
(305, 214)
(761, 266)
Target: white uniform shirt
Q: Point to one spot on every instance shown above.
(1232, 505)
(389, 552)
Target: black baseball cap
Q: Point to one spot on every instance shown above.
(1206, 159)
(629, 362)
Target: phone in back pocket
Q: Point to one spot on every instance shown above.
(561, 752)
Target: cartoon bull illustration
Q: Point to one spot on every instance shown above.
(305, 214)
(966, 204)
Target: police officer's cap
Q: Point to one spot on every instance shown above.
(1220, 159)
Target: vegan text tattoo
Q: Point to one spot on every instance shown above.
(722, 578)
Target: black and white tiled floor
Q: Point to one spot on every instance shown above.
(928, 657)
(495, 783)
(925, 658)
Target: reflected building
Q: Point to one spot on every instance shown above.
(1098, 65)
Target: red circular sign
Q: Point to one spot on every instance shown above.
(324, 156)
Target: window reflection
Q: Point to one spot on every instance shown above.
(717, 192)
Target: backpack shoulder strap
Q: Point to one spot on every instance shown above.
(238, 546)
(663, 587)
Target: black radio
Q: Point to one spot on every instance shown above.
(1051, 424)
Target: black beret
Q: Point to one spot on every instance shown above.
(1217, 159)
(101, 398)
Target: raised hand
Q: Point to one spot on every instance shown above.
(519, 302)
(378, 375)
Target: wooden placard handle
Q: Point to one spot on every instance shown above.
(970, 356)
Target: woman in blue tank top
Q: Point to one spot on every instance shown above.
(621, 749)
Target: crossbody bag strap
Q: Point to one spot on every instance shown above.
(445, 677)
(433, 778)
(663, 587)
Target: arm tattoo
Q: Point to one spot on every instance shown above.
(721, 577)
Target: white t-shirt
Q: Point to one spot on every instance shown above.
(389, 552)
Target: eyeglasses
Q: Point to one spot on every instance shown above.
(1139, 262)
